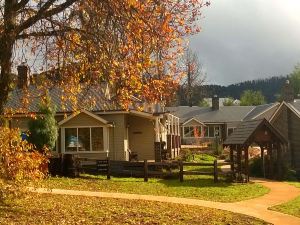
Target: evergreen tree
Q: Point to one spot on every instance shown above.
(43, 129)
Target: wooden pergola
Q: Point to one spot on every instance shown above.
(262, 134)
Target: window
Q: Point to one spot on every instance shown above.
(84, 139)
(192, 131)
(230, 130)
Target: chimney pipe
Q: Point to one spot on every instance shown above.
(215, 103)
(23, 76)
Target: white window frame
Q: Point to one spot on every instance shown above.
(183, 133)
(230, 128)
(105, 140)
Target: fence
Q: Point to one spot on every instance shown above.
(148, 169)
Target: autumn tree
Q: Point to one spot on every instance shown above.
(250, 97)
(194, 76)
(133, 45)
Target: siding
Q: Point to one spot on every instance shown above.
(192, 123)
(21, 123)
(117, 135)
(294, 135)
(141, 137)
(82, 119)
(280, 122)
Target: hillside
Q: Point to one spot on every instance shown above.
(270, 88)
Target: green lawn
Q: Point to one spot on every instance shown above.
(295, 183)
(291, 207)
(198, 187)
(62, 209)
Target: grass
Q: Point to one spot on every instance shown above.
(197, 187)
(291, 207)
(295, 183)
(62, 209)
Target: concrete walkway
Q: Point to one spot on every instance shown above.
(279, 192)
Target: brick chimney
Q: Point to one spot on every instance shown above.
(288, 92)
(23, 80)
(215, 103)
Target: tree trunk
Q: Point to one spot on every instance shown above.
(7, 40)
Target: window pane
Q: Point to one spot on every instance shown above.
(97, 139)
(206, 131)
(71, 139)
(217, 131)
(186, 131)
(84, 139)
(211, 131)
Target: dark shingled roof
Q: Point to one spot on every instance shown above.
(243, 133)
(207, 115)
(258, 110)
(93, 98)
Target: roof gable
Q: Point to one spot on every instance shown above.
(245, 132)
(93, 118)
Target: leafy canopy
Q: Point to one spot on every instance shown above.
(132, 45)
(250, 97)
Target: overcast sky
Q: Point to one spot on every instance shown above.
(248, 39)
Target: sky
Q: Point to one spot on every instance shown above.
(248, 39)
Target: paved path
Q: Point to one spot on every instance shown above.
(258, 207)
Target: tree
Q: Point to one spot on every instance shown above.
(21, 165)
(250, 97)
(228, 101)
(43, 129)
(194, 76)
(294, 78)
(203, 103)
(117, 41)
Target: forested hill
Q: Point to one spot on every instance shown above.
(270, 88)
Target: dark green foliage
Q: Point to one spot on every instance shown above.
(255, 167)
(269, 87)
(43, 129)
(250, 97)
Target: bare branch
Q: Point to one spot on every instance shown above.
(44, 13)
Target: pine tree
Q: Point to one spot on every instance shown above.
(43, 129)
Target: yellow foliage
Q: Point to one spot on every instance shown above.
(20, 164)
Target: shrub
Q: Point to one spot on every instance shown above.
(20, 164)
(255, 167)
(43, 129)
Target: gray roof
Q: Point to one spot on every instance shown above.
(207, 115)
(245, 131)
(258, 110)
(92, 98)
(296, 105)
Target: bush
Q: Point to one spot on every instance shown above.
(43, 129)
(20, 164)
(256, 167)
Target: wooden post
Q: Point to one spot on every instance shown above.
(180, 170)
(239, 163)
(145, 170)
(247, 163)
(108, 168)
(231, 159)
(215, 171)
